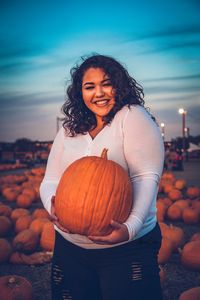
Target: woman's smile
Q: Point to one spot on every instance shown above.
(97, 91)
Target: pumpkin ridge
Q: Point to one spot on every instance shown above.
(91, 170)
(109, 196)
(99, 194)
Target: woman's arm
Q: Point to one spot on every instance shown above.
(53, 171)
(144, 153)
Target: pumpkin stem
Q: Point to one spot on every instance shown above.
(104, 153)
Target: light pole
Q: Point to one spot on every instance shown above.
(162, 125)
(183, 113)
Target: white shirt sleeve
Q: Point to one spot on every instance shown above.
(53, 171)
(144, 153)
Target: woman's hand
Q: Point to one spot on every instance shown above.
(118, 235)
(54, 218)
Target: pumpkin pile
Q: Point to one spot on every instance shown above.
(23, 235)
(93, 191)
(178, 203)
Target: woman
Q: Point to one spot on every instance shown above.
(105, 109)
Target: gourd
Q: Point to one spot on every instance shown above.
(15, 287)
(93, 191)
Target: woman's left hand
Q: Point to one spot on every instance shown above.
(118, 235)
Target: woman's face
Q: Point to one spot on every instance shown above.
(97, 91)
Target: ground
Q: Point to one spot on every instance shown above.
(177, 279)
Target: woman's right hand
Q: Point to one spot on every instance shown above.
(54, 218)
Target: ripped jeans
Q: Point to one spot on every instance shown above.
(125, 272)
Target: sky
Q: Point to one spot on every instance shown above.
(157, 41)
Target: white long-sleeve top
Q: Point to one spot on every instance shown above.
(134, 141)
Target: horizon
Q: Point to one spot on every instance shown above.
(158, 43)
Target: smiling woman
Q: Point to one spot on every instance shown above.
(104, 109)
(98, 78)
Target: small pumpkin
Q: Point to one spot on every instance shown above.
(38, 224)
(26, 241)
(174, 212)
(15, 287)
(180, 184)
(175, 234)
(24, 200)
(93, 191)
(175, 194)
(23, 223)
(5, 225)
(40, 213)
(165, 251)
(5, 210)
(47, 239)
(19, 212)
(5, 250)
(190, 215)
(191, 294)
(195, 237)
(190, 257)
(193, 192)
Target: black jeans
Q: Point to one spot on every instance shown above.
(125, 272)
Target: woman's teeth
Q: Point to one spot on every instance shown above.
(101, 102)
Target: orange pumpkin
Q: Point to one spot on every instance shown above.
(5, 210)
(15, 287)
(5, 225)
(165, 251)
(18, 212)
(175, 194)
(175, 234)
(40, 213)
(24, 200)
(190, 215)
(191, 294)
(5, 250)
(38, 224)
(174, 212)
(26, 240)
(93, 191)
(190, 257)
(23, 223)
(195, 237)
(193, 192)
(180, 184)
(47, 239)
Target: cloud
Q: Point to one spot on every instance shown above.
(172, 31)
(18, 102)
(173, 46)
(174, 78)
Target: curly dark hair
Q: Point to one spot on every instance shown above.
(78, 118)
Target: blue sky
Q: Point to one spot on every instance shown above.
(158, 42)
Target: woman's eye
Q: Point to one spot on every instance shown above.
(89, 87)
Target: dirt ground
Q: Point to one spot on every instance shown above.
(177, 278)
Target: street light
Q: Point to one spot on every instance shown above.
(163, 130)
(183, 113)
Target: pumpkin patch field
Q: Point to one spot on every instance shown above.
(27, 235)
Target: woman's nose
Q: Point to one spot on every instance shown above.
(99, 91)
